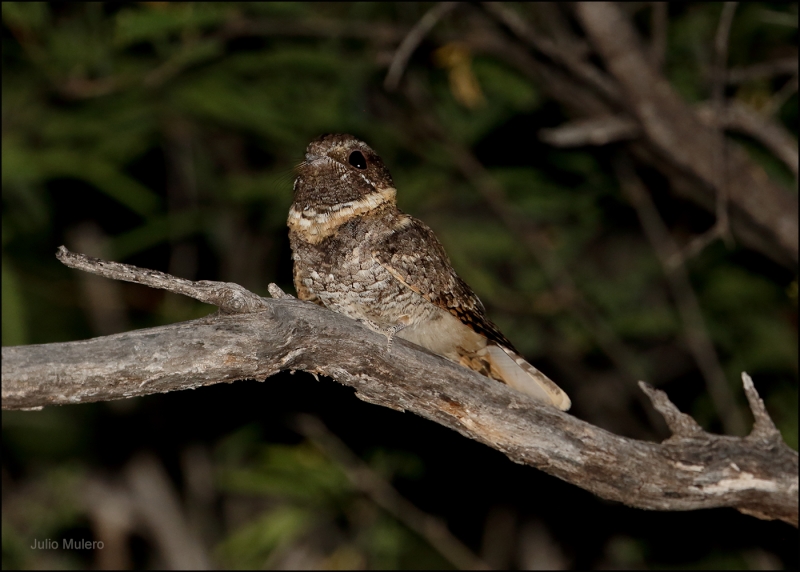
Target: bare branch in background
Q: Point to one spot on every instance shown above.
(721, 54)
(684, 148)
(367, 481)
(763, 70)
(718, 101)
(144, 501)
(698, 341)
(763, 216)
(412, 40)
(158, 507)
(584, 71)
(659, 20)
(782, 96)
(721, 228)
(592, 131)
(734, 117)
(771, 134)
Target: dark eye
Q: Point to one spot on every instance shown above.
(357, 160)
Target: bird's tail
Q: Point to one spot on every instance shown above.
(510, 368)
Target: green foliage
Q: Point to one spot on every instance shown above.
(305, 495)
(743, 302)
(507, 94)
(295, 472)
(50, 507)
(158, 24)
(250, 546)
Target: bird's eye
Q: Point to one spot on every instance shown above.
(357, 160)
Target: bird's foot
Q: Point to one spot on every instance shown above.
(388, 332)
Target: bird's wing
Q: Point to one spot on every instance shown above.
(416, 258)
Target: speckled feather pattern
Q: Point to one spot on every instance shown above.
(356, 253)
(341, 270)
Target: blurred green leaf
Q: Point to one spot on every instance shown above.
(251, 545)
(293, 472)
(153, 21)
(22, 165)
(32, 16)
(158, 229)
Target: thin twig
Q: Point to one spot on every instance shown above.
(558, 83)
(681, 424)
(735, 116)
(584, 71)
(592, 131)
(551, 17)
(412, 40)
(764, 427)
(698, 341)
(718, 100)
(721, 48)
(658, 34)
(694, 247)
(782, 96)
(721, 228)
(381, 491)
(770, 133)
(763, 70)
(229, 297)
(380, 33)
(102, 299)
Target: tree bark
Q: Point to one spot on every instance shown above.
(757, 474)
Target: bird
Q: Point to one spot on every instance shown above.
(354, 252)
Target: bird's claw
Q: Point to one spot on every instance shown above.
(388, 332)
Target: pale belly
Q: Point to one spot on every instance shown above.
(444, 334)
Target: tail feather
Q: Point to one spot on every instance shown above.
(512, 369)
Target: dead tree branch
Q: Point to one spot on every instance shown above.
(683, 146)
(757, 474)
(763, 215)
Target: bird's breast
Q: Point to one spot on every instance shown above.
(347, 278)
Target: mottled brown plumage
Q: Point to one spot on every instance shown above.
(356, 253)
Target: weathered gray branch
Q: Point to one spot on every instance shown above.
(757, 475)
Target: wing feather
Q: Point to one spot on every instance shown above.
(416, 258)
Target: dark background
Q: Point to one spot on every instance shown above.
(164, 135)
